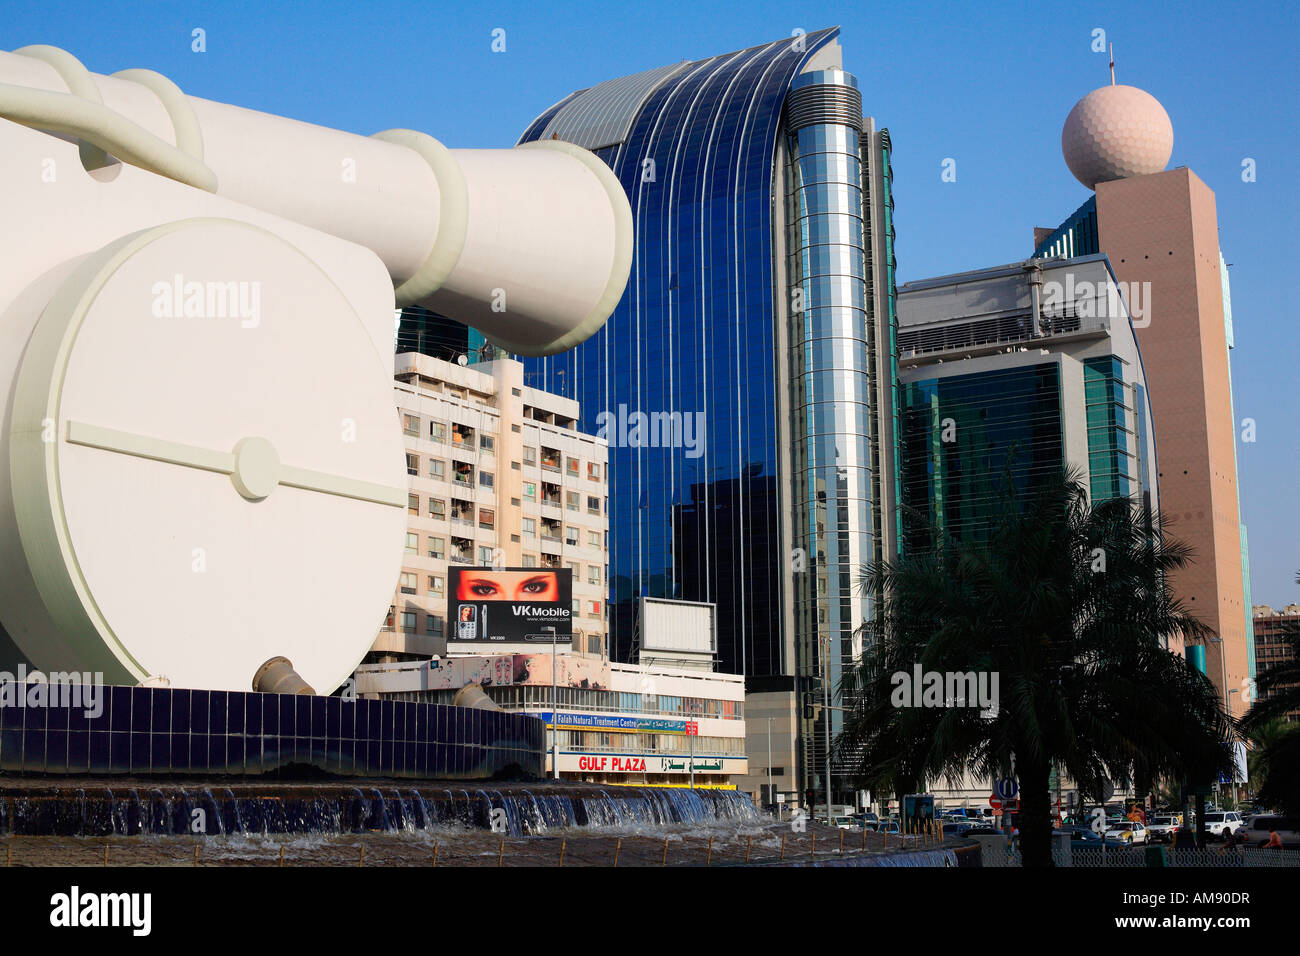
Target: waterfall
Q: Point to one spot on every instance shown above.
(333, 809)
(235, 824)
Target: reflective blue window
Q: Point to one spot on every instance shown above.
(694, 334)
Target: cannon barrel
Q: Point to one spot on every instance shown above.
(277, 676)
(532, 245)
(475, 697)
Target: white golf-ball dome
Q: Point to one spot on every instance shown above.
(1115, 132)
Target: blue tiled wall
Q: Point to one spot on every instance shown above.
(177, 732)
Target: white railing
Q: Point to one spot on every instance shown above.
(1003, 854)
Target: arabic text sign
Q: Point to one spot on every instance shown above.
(633, 763)
(615, 722)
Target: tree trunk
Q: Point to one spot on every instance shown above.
(1201, 835)
(1035, 813)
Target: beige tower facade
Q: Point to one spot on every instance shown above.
(497, 475)
(1160, 232)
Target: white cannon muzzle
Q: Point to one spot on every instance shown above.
(532, 246)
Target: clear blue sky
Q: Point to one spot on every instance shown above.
(985, 84)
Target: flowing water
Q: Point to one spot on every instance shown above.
(337, 809)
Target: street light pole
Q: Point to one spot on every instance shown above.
(692, 756)
(1234, 757)
(555, 705)
(770, 795)
(1223, 670)
(826, 718)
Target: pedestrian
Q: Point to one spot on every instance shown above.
(1274, 841)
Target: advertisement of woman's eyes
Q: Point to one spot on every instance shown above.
(510, 605)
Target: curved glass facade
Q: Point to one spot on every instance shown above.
(694, 337)
(830, 375)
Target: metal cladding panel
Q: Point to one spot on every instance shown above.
(603, 115)
(824, 97)
(678, 626)
(535, 128)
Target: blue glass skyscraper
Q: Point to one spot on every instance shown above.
(760, 311)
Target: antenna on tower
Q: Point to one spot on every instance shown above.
(1112, 64)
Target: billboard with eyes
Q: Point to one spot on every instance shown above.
(509, 606)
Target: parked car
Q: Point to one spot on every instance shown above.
(1162, 829)
(1082, 836)
(1128, 832)
(1218, 825)
(1258, 826)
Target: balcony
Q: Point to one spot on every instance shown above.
(551, 495)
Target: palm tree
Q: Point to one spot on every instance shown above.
(1263, 738)
(1068, 604)
(1275, 761)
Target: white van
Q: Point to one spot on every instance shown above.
(1258, 826)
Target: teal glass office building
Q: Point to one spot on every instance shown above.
(1004, 379)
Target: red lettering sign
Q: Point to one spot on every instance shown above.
(617, 764)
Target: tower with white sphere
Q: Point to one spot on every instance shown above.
(1159, 228)
(1116, 132)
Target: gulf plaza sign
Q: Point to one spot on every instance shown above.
(625, 763)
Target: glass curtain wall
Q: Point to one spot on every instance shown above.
(694, 335)
(831, 381)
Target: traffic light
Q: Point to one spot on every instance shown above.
(811, 709)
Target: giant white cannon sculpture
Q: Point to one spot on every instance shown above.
(201, 466)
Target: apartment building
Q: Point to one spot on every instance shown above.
(498, 476)
(1272, 649)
